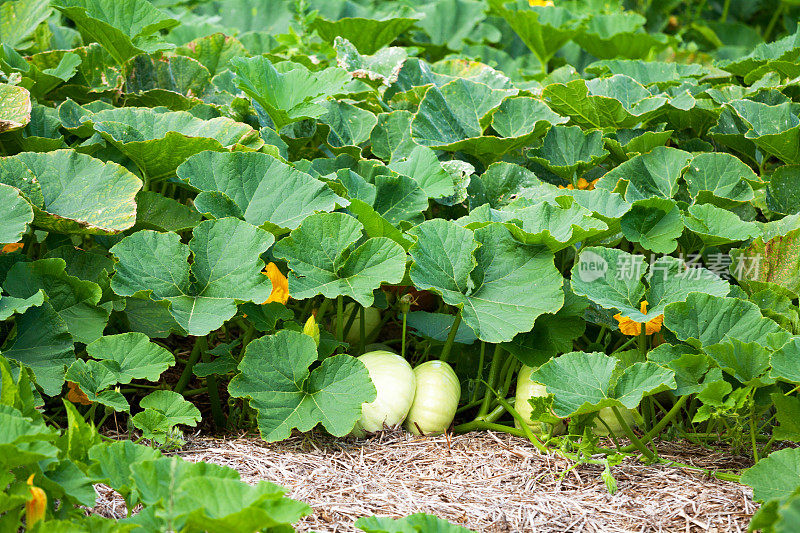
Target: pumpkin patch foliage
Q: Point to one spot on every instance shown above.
(566, 220)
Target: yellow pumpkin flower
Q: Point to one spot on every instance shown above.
(280, 285)
(13, 247)
(630, 327)
(585, 185)
(570, 187)
(36, 506)
(76, 395)
(540, 3)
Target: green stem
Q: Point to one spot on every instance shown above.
(625, 345)
(772, 22)
(323, 308)
(249, 332)
(765, 450)
(403, 345)
(724, 476)
(30, 240)
(632, 436)
(510, 371)
(180, 386)
(725, 8)
(753, 435)
(451, 337)
(523, 424)
(643, 342)
(340, 318)
(213, 392)
(497, 359)
(658, 428)
(362, 341)
(474, 395)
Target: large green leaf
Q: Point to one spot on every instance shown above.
(705, 319)
(15, 106)
(785, 361)
(18, 21)
(390, 139)
(381, 68)
(43, 344)
(175, 82)
(15, 214)
(288, 91)
(764, 57)
(774, 477)
(274, 376)
(612, 279)
(716, 226)
(587, 382)
(569, 152)
(655, 173)
(159, 141)
(350, 126)
(449, 22)
(94, 379)
(540, 224)
(544, 30)
(73, 299)
(214, 52)
(775, 129)
(131, 356)
(720, 175)
(453, 115)
(324, 259)
(422, 166)
(615, 102)
(72, 192)
(654, 223)
(368, 35)
(125, 28)
(608, 36)
(226, 268)
(481, 272)
(257, 188)
(783, 193)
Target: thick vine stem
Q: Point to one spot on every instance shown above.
(451, 338)
(658, 428)
(186, 375)
(340, 318)
(497, 360)
(632, 436)
(362, 334)
(213, 392)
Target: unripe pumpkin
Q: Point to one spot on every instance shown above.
(527, 389)
(395, 384)
(436, 399)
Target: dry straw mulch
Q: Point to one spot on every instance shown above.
(487, 482)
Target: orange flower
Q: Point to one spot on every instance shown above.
(280, 285)
(583, 185)
(630, 327)
(36, 506)
(76, 395)
(13, 247)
